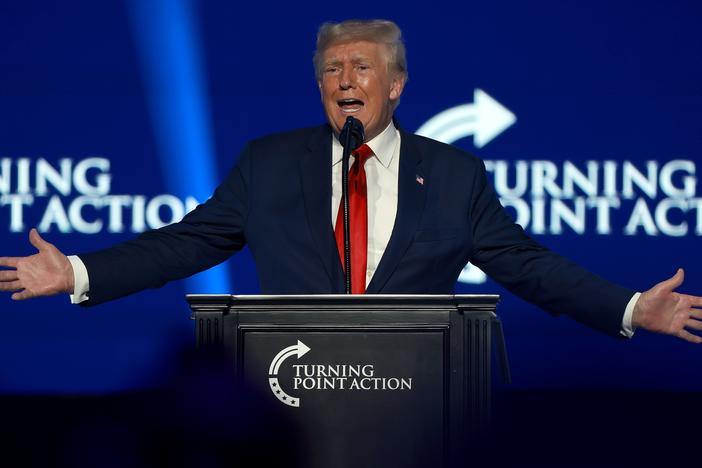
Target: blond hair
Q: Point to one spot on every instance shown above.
(378, 31)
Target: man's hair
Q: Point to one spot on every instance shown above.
(378, 31)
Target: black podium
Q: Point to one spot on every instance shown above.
(370, 380)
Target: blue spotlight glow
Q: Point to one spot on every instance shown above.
(167, 40)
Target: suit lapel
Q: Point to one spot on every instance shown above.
(411, 197)
(315, 175)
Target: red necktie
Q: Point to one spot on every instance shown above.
(358, 219)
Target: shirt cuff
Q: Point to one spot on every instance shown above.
(627, 327)
(81, 283)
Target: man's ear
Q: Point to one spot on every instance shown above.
(397, 86)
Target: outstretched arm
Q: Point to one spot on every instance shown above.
(662, 310)
(45, 273)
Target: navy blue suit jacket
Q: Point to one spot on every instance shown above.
(277, 200)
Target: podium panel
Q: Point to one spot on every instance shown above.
(369, 380)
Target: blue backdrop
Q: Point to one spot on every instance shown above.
(116, 116)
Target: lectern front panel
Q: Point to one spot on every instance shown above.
(379, 391)
(371, 380)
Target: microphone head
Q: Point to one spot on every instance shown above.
(352, 135)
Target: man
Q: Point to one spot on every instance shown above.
(424, 210)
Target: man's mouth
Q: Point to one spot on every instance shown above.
(350, 106)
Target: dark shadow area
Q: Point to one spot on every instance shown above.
(202, 417)
(593, 428)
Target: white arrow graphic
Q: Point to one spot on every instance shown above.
(300, 349)
(484, 119)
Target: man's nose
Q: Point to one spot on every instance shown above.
(346, 80)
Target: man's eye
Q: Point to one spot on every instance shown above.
(331, 69)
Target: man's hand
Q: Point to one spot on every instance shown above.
(46, 273)
(662, 310)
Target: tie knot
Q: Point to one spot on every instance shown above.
(362, 153)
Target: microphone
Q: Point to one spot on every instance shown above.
(351, 137)
(352, 134)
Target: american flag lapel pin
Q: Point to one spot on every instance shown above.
(420, 179)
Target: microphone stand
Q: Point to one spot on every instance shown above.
(345, 197)
(351, 137)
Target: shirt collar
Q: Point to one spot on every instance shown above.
(383, 146)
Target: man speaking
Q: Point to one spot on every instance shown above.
(419, 211)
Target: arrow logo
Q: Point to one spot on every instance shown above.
(484, 120)
(300, 349)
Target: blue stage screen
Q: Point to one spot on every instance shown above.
(119, 116)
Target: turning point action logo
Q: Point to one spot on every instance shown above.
(343, 377)
(657, 197)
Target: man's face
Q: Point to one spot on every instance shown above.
(356, 81)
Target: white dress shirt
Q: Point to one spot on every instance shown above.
(382, 171)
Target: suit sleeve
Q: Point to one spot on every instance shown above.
(205, 237)
(526, 268)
